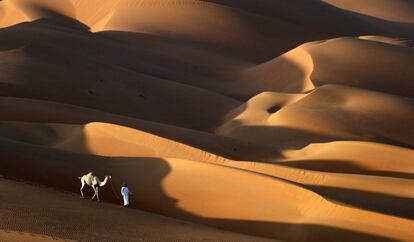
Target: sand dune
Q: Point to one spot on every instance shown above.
(337, 61)
(102, 139)
(36, 111)
(353, 157)
(329, 113)
(399, 10)
(168, 19)
(82, 220)
(322, 17)
(230, 120)
(161, 186)
(388, 40)
(92, 89)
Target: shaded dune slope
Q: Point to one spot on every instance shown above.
(39, 111)
(353, 157)
(81, 226)
(287, 120)
(161, 186)
(369, 62)
(26, 74)
(329, 113)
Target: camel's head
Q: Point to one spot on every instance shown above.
(109, 177)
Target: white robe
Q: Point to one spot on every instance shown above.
(125, 193)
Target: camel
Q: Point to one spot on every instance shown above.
(93, 181)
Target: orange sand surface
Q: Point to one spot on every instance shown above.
(230, 120)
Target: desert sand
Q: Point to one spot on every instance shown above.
(265, 120)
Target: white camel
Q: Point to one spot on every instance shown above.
(93, 181)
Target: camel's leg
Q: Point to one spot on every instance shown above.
(97, 193)
(83, 184)
(94, 195)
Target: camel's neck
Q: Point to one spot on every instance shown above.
(102, 183)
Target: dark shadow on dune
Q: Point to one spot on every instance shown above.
(60, 169)
(366, 25)
(279, 136)
(293, 138)
(387, 140)
(273, 109)
(9, 89)
(145, 176)
(53, 21)
(377, 202)
(57, 19)
(93, 69)
(180, 60)
(95, 88)
(62, 22)
(273, 37)
(343, 166)
(158, 43)
(376, 75)
(295, 232)
(44, 135)
(226, 147)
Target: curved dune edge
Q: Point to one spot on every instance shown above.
(112, 140)
(106, 139)
(393, 10)
(339, 61)
(162, 186)
(329, 113)
(82, 220)
(257, 117)
(353, 157)
(290, 72)
(387, 40)
(390, 163)
(28, 111)
(150, 95)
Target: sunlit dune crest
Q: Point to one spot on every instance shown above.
(267, 120)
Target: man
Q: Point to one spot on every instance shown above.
(126, 193)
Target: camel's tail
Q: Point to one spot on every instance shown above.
(79, 177)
